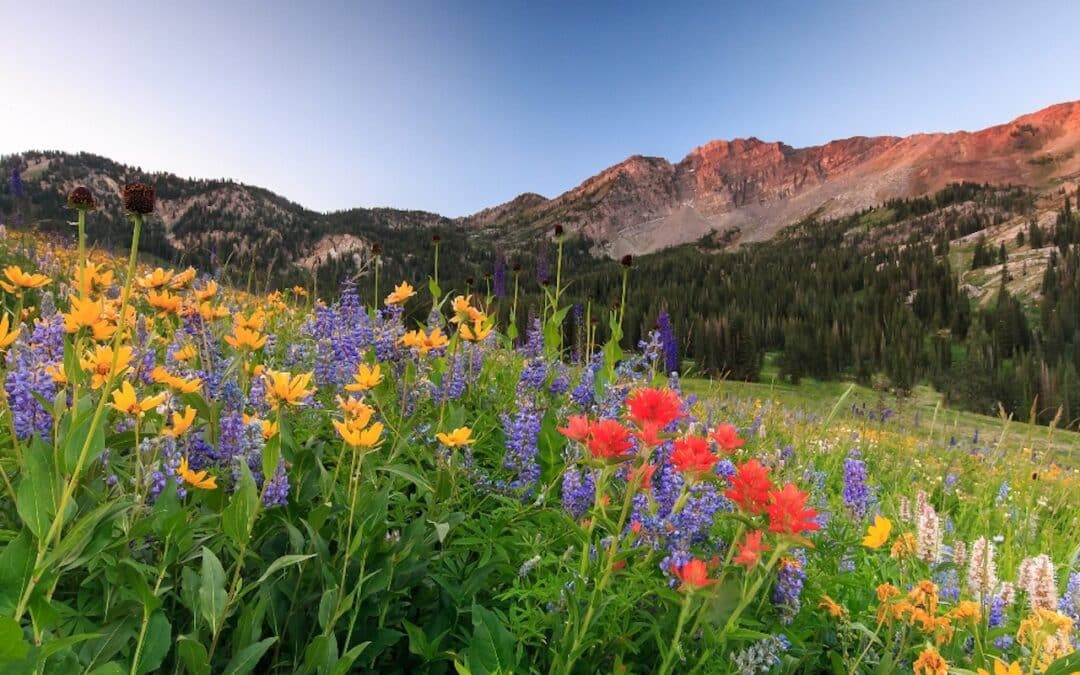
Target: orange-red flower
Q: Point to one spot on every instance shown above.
(609, 439)
(659, 407)
(727, 438)
(750, 486)
(788, 513)
(692, 456)
(643, 473)
(693, 575)
(750, 550)
(577, 428)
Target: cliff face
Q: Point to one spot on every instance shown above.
(755, 187)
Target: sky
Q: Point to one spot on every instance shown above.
(457, 106)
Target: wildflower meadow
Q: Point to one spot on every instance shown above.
(200, 479)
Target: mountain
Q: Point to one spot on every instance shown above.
(737, 191)
(752, 188)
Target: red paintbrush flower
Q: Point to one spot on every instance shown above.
(788, 513)
(691, 455)
(693, 575)
(727, 438)
(659, 407)
(649, 435)
(577, 428)
(609, 440)
(750, 486)
(750, 550)
(645, 473)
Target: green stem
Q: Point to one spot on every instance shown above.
(748, 597)
(72, 483)
(665, 667)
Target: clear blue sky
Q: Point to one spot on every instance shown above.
(453, 107)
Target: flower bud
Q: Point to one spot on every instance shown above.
(138, 198)
(81, 198)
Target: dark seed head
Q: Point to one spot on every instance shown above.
(435, 239)
(138, 198)
(626, 260)
(376, 248)
(469, 281)
(558, 230)
(81, 198)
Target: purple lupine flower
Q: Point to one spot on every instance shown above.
(277, 490)
(760, 656)
(789, 585)
(652, 348)
(997, 612)
(522, 434)
(1003, 493)
(16, 180)
(584, 394)
(857, 495)
(560, 383)
(27, 379)
(499, 277)
(199, 452)
(1069, 604)
(230, 437)
(948, 582)
(668, 344)
(578, 490)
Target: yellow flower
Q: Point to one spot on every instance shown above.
(478, 332)
(195, 479)
(966, 611)
(300, 291)
(99, 362)
(424, 342)
(359, 437)
(357, 412)
(180, 423)
(21, 281)
(206, 292)
(461, 305)
(284, 388)
(162, 376)
(183, 279)
(57, 374)
(457, 437)
(207, 311)
(245, 338)
(155, 279)
(1001, 668)
(164, 301)
(931, 663)
(834, 609)
(366, 377)
(255, 322)
(402, 292)
(878, 533)
(903, 546)
(125, 400)
(8, 336)
(87, 313)
(186, 353)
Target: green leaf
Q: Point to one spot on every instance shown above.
(550, 444)
(110, 668)
(344, 664)
(434, 289)
(239, 516)
(248, 657)
(13, 647)
(156, 644)
(283, 562)
(491, 649)
(37, 493)
(321, 653)
(16, 566)
(212, 591)
(76, 438)
(408, 474)
(1066, 665)
(69, 552)
(194, 656)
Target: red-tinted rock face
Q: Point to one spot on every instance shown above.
(647, 203)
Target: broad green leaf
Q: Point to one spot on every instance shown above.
(408, 474)
(283, 562)
(110, 668)
(156, 644)
(13, 647)
(238, 517)
(344, 664)
(38, 492)
(76, 439)
(193, 655)
(491, 648)
(69, 553)
(248, 657)
(16, 566)
(212, 591)
(1066, 665)
(321, 653)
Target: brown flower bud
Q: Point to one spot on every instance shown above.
(81, 198)
(138, 198)
(626, 260)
